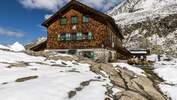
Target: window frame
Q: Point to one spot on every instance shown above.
(79, 36)
(61, 20)
(68, 36)
(90, 36)
(72, 22)
(83, 18)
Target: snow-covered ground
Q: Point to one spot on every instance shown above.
(136, 70)
(168, 71)
(57, 80)
(54, 82)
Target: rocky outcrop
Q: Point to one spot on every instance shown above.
(132, 86)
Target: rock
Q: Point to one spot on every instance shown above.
(4, 83)
(79, 89)
(128, 95)
(116, 80)
(71, 94)
(95, 68)
(148, 87)
(134, 87)
(20, 64)
(107, 99)
(73, 70)
(26, 78)
(59, 65)
(86, 83)
(108, 68)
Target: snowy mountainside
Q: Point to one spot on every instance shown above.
(130, 6)
(148, 24)
(14, 47)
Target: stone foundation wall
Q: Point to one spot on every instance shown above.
(101, 55)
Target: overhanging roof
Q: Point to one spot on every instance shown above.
(107, 19)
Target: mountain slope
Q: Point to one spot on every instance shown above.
(148, 24)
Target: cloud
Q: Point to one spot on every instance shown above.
(9, 32)
(54, 5)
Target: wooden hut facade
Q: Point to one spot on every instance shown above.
(79, 29)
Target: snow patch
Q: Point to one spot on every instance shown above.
(168, 71)
(4, 47)
(169, 90)
(53, 82)
(136, 70)
(152, 57)
(17, 47)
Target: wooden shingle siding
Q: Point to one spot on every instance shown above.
(98, 29)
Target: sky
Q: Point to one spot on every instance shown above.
(21, 20)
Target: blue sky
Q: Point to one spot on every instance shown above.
(21, 20)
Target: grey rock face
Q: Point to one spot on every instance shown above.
(158, 35)
(150, 25)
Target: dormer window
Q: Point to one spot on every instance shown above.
(63, 21)
(85, 19)
(74, 20)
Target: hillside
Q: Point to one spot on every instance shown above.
(148, 24)
(52, 76)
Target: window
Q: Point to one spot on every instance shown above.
(90, 36)
(85, 19)
(63, 38)
(63, 21)
(75, 36)
(68, 36)
(74, 20)
(89, 54)
(79, 36)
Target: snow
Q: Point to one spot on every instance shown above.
(95, 88)
(142, 10)
(168, 71)
(152, 57)
(136, 70)
(53, 82)
(4, 47)
(13, 57)
(138, 52)
(156, 40)
(169, 90)
(17, 47)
